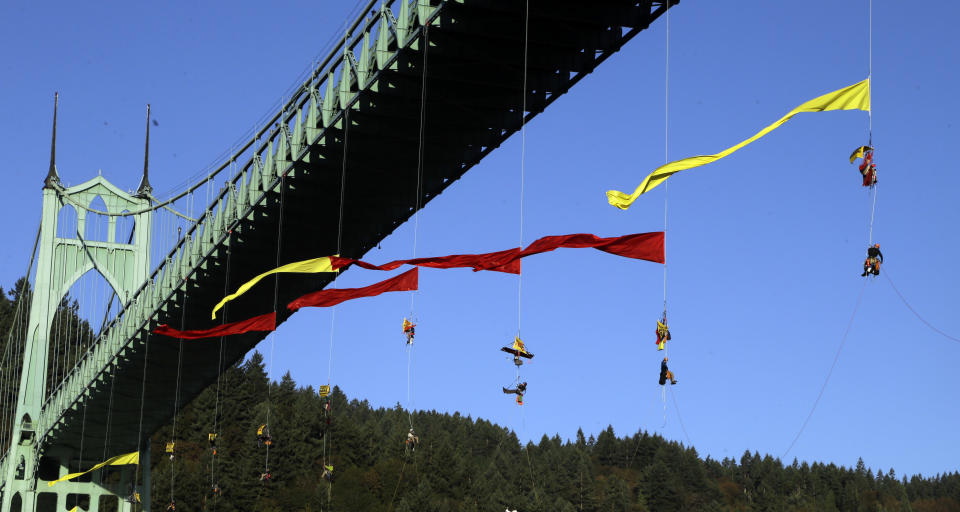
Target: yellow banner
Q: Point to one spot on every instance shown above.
(858, 153)
(303, 267)
(853, 97)
(119, 460)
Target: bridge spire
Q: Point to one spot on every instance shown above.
(52, 176)
(144, 190)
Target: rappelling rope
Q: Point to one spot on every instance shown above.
(176, 400)
(333, 310)
(216, 406)
(276, 301)
(666, 188)
(666, 149)
(417, 205)
(143, 399)
(836, 357)
(223, 320)
(673, 397)
(914, 311)
(523, 145)
(523, 154)
(873, 207)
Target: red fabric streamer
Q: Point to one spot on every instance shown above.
(641, 246)
(267, 322)
(485, 261)
(404, 282)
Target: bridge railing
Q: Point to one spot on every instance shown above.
(351, 67)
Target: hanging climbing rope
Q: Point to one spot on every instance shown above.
(917, 314)
(171, 445)
(868, 168)
(213, 437)
(412, 439)
(519, 350)
(663, 329)
(826, 380)
(266, 475)
(327, 472)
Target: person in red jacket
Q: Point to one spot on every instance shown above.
(868, 169)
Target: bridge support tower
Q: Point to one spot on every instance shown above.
(62, 260)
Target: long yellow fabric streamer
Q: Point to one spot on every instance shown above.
(315, 265)
(853, 97)
(119, 460)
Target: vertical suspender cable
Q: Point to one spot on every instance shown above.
(8, 384)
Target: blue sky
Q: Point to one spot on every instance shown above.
(764, 248)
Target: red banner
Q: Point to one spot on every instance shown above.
(404, 282)
(267, 322)
(641, 246)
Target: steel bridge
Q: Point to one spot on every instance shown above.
(344, 148)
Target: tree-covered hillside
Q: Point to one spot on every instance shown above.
(466, 464)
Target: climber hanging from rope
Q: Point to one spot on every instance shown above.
(518, 350)
(410, 444)
(868, 169)
(408, 330)
(172, 506)
(212, 439)
(215, 490)
(134, 496)
(666, 374)
(265, 476)
(327, 473)
(263, 436)
(169, 448)
(519, 391)
(663, 332)
(872, 264)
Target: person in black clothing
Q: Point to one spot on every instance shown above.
(666, 374)
(521, 389)
(873, 261)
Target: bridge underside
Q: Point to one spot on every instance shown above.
(473, 102)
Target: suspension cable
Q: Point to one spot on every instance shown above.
(8, 352)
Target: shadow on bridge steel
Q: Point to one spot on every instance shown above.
(473, 98)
